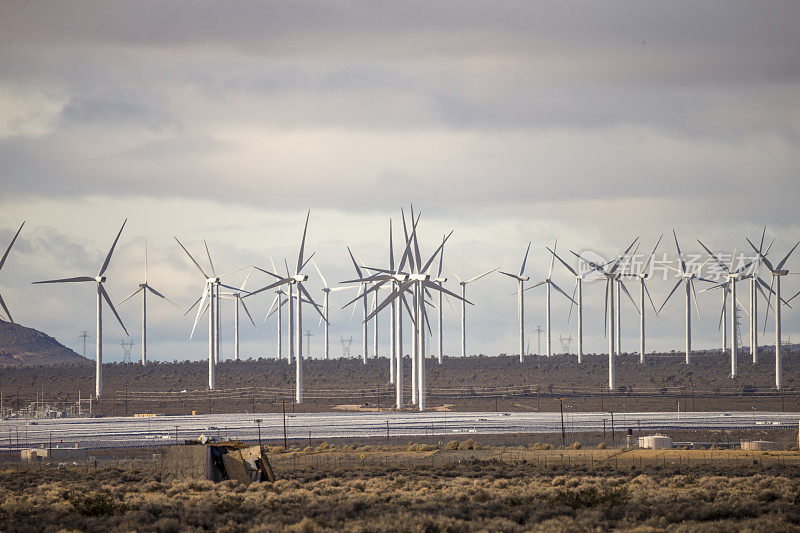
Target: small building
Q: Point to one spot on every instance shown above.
(216, 462)
(655, 442)
(755, 445)
(53, 454)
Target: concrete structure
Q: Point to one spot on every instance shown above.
(53, 454)
(754, 445)
(217, 462)
(655, 442)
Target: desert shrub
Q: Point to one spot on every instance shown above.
(452, 445)
(468, 444)
(541, 446)
(601, 446)
(576, 445)
(95, 503)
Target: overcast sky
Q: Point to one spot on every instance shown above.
(588, 122)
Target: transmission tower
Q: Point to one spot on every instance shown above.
(346, 343)
(738, 327)
(127, 348)
(85, 335)
(565, 343)
(308, 336)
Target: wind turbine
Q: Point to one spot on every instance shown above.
(3, 262)
(99, 279)
(298, 278)
(144, 288)
(326, 290)
(463, 285)
(549, 283)
(280, 301)
(643, 274)
(579, 291)
(609, 271)
(729, 286)
(687, 278)
(521, 279)
(777, 272)
(238, 300)
(211, 287)
(757, 285)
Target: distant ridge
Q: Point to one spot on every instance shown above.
(21, 346)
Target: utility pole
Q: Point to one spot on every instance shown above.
(308, 336)
(258, 421)
(563, 433)
(539, 331)
(285, 447)
(85, 335)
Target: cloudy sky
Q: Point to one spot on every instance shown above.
(588, 122)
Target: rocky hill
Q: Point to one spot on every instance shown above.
(21, 346)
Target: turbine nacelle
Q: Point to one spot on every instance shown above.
(419, 277)
(299, 278)
(100, 279)
(440, 280)
(212, 280)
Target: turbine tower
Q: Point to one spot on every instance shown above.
(463, 285)
(99, 279)
(144, 288)
(238, 300)
(280, 301)
(326, 290)
(549, 283)
(643, 276)
(777, 273)
(521, 279)
(3, 262)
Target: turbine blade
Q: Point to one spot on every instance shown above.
(192, 306)
(652, 254)
(303, 244)
(628, 294)
(439, 250)
(239, 300)
(793, 297)
(647, 291)
(203, 272)
(355, 264)
(5, 308)
(113, 309)
(111, 251)
(572, 271)
(761, 255)
(680, 254)
(324, 282)
(79, 279)
(525, 259)
(201, 308)
(278, 283)
(783, 261)
(249, 273)
(605, 306)
(134, 293)
(310, 257)
(391, 247)
(435, 286)
(552, 260)
(456, 275)
(269, 311)
(556, 287)
(509, 275)
(714, 256)
(534, 285)
(311, 300)
(675, 288)
(392, 296)
(3, 260)
(210, 262)
(694, 293)
(151, 289)
(476, 278)
(268, 272)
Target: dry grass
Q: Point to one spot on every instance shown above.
(468, 495)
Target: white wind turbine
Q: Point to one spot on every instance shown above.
(326, 290)
(238, 300)
(144, 288)
(211, 287)
(578, 290)
(644, 275)
(3, 262)
(548, 282)
(521, 279)
(757, 285)
(609, 271)
(729, 286)
(298, 278)
(777, 273)
(463, 285)
(99, 279)
(687, 278)
(419, 281)
(280, 301)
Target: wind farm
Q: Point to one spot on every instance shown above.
(452, 266)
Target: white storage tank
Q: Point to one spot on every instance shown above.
(655, 442)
